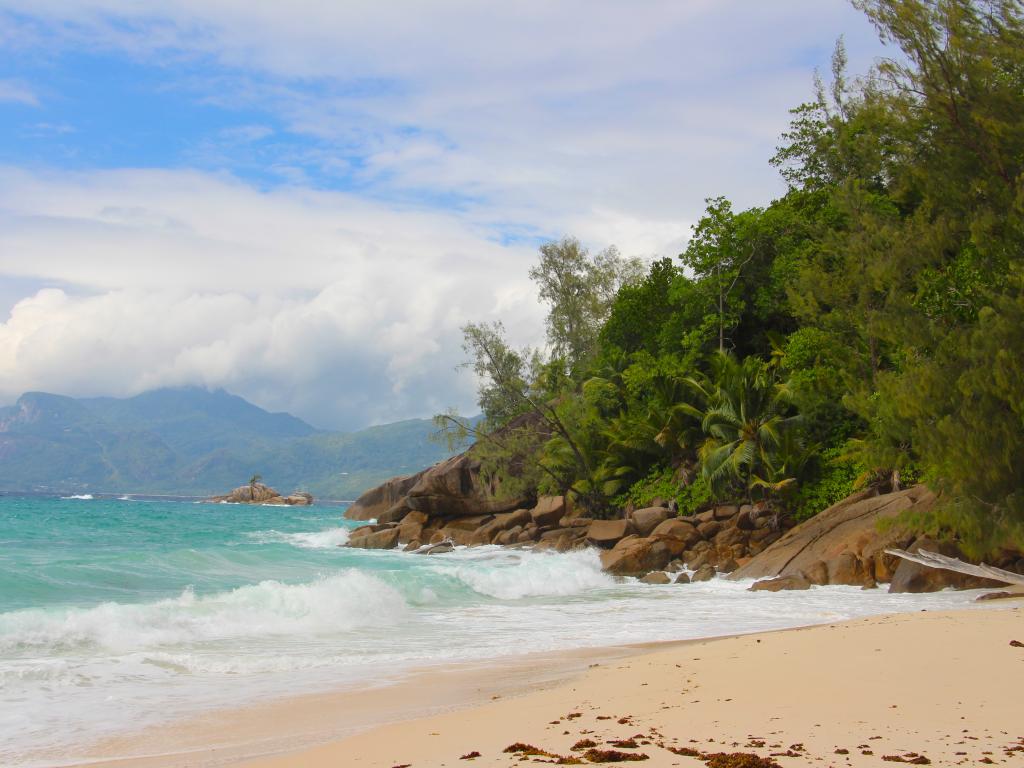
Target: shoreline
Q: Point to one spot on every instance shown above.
(312, 718)
(373, 726)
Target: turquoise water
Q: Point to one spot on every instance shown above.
(119, 611)
(75, 552)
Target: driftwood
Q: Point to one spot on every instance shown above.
(935, 560)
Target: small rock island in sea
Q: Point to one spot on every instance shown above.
(258, 493)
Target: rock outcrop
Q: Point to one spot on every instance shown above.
(448, 490)
(636, 556)
(258, 493)
(448, 505)
(374, 502)
(849, 528)
(846, 543)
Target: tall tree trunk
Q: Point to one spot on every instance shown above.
(721, 314)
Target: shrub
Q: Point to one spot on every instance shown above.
(663, 483)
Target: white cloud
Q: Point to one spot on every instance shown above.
(641, 109)
(15, 92)
(341, 310)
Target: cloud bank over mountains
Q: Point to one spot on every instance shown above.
(303, 202)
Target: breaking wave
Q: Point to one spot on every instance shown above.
(342, 602)
(499, 574)
(332, 537)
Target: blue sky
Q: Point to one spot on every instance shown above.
(303, 202)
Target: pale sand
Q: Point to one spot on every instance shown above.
(935, 684)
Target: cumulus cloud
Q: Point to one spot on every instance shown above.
(320, 303)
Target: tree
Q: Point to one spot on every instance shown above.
(947, 400)
(500, 370)
(520, 414)
(252, 486)
(579, 290)
(640, 310)
(965, 411)
(717, 254)
(745, 422)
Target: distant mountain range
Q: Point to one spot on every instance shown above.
(193, 441)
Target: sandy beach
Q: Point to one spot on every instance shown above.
(942, 687)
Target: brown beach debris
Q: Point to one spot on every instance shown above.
(519, 748)
(583, 744)
(614, 756)
(629, 743)
(911, 757)
(737, 760)
(684, 751)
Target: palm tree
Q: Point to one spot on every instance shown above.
(252, 486)
(745, 425)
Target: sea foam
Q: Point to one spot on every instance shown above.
(342, 602)
(332, 537)
(512, 576)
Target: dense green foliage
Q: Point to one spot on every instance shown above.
(191, 441)
(867, 328)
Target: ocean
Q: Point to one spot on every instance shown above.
(119, 613)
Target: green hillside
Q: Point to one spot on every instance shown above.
(192, 441)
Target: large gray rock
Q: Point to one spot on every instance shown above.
(647, 519)
(845, 537)
(792, 581)
(636, 557)
(605, 533)
(385, 539)
(453, 488)
(411, 527)
(656, 577)
(376, 501)
(679, 531)
(704, 573)
(548, 510)
(709, 529)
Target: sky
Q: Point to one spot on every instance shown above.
(303, 202)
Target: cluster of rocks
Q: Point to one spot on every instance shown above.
(450, 490)
(450, 505)
(258, 493)
(548, 525)
(846, 544)
(645, 541)
(714, 541)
